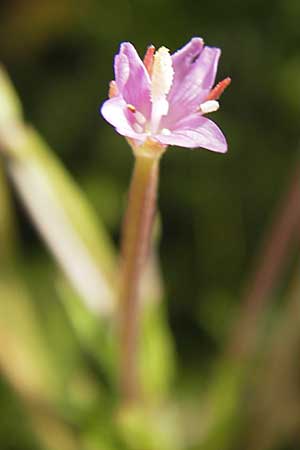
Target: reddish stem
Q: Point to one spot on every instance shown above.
(135, 244)
(272, 260)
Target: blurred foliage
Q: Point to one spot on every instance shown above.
(57, 355)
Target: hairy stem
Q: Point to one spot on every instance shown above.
(135, 245)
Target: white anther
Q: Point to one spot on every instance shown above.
(209, 106)
(165, 132)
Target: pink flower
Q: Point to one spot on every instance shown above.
(164, 98)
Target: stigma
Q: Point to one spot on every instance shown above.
(162, 74)
(161, 83)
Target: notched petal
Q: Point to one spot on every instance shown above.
(195, 68)
(188, 54)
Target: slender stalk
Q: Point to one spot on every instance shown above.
(134, 249)
(278, 244)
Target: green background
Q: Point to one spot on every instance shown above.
(214, 209)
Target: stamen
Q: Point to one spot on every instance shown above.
(209, 106)
(138, 128)
(218, 90)
(113, 89)
(149, 58)
(140, 118)
(131, 107)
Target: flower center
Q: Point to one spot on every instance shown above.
(160, 68)
(162, 72)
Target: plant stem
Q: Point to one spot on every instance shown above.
(134, 249)
(280, 239)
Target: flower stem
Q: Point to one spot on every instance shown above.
(134, 249)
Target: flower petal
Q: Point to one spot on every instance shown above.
(195, 69)
(184, 58)
(196, 131)
(116, 113)
(132, 79)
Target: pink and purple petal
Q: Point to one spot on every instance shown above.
(196, 131)
(184, 58)
(116, 113)
(195, 70)
(132, 79)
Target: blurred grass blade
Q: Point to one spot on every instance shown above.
(23, 358)
(10, 106)
(22, 354)
(221, 412)
(157, 359)
(59, 210)
(276, 400)
(156, 353)
(47, 383)
(52, 432)
(150, 428)
(7, 240)
(61, 223)
(223, 417)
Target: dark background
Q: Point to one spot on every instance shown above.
(214, 208)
